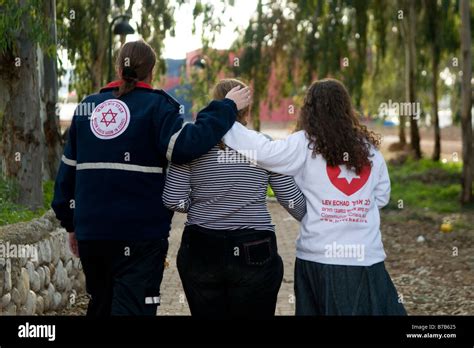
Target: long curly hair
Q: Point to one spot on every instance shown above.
(332, 126)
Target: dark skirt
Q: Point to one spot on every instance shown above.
(323, 289)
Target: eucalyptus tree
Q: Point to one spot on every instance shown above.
(23, 26)
(439, 34)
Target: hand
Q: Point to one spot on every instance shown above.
(73, 246)
(241, 97)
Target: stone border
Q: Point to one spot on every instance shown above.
(47, 279)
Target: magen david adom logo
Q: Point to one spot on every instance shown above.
(110, 119)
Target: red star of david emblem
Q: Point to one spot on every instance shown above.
(111, 120)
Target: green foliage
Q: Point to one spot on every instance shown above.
(28, 18)
(426, 184)
(270, 192)
(10, 212)
(81, 24)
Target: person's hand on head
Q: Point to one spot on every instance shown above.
(240, 96)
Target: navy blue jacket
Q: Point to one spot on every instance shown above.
(112, 188)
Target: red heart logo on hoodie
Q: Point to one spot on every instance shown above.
(347, 181)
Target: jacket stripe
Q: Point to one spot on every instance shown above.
(119, 166)
(68, 161)
(174, 137)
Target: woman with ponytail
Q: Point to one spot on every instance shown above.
(108, 191)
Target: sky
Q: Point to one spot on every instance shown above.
(184, 41)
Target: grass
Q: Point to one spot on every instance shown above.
(427, 185)
(10, 212)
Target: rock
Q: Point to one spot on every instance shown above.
(3, 265)
(82, 280)
(52, 270)
(2, 282)
(15, 296)
(30, 303)
(420, 239)
(46, 299)
(47, 274)
(35, 259)
(42, 277)
(43, 223)
(56, 300)
(64, 300)
(35, 281)
(51, 291)
(5, 301)
(8, 276)
(69, 266)
(23, 285)
(10, 310)
(64, 248)
(60, 277)
(22, 310)
(39, 305)
(55, 249)
(23, 260)
(77, 263)
(44, 252)
(30, 268)
(68, 285)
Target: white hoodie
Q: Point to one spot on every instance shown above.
(342, 223)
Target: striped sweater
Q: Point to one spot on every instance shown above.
(224, 190)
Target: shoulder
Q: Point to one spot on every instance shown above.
(301, 135)
(376, 156)
(298, 138)
(166, 98)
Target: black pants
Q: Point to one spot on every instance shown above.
(230, 273)
(123, 277)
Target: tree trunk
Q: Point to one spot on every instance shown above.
(411, 81)
(404, 32)
(437, 132)
(466, 102)
(102, 42)
(257, 72)
(21, 126)
(52, 134)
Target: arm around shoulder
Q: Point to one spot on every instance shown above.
(285, 156)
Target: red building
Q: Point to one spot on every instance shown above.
(273, 109)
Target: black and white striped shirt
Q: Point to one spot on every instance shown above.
(224, 190)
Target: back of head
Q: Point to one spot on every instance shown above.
(135, 62)
(333, 128)
(220, 91)
(222, 88)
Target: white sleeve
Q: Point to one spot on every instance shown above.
(285, 156)
(382, 188)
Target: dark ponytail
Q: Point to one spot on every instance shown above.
(135, 61)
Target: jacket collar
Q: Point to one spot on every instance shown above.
(117, 83)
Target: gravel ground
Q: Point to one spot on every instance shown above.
(432, 276)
